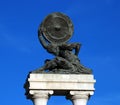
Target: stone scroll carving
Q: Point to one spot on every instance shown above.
(54, 33)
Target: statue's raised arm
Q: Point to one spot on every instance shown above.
(71, 47)
(42, 39)
(50, 47)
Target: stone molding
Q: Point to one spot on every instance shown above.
(60, 82)
(77, 88)
(40, 93)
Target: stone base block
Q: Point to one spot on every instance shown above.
(76, 87)
(60, 83)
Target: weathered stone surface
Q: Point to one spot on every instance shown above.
(60, 82)
(77, 88)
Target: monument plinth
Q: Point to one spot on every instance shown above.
(77, 88)
(64, 75)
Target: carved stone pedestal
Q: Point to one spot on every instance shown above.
(79, 97)
(76, 87)
(40, 97)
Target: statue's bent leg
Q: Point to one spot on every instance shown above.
(49, 65)
(63, 63)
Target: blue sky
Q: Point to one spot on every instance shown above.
(96, 27)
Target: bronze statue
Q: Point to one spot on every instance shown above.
(53, 34)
